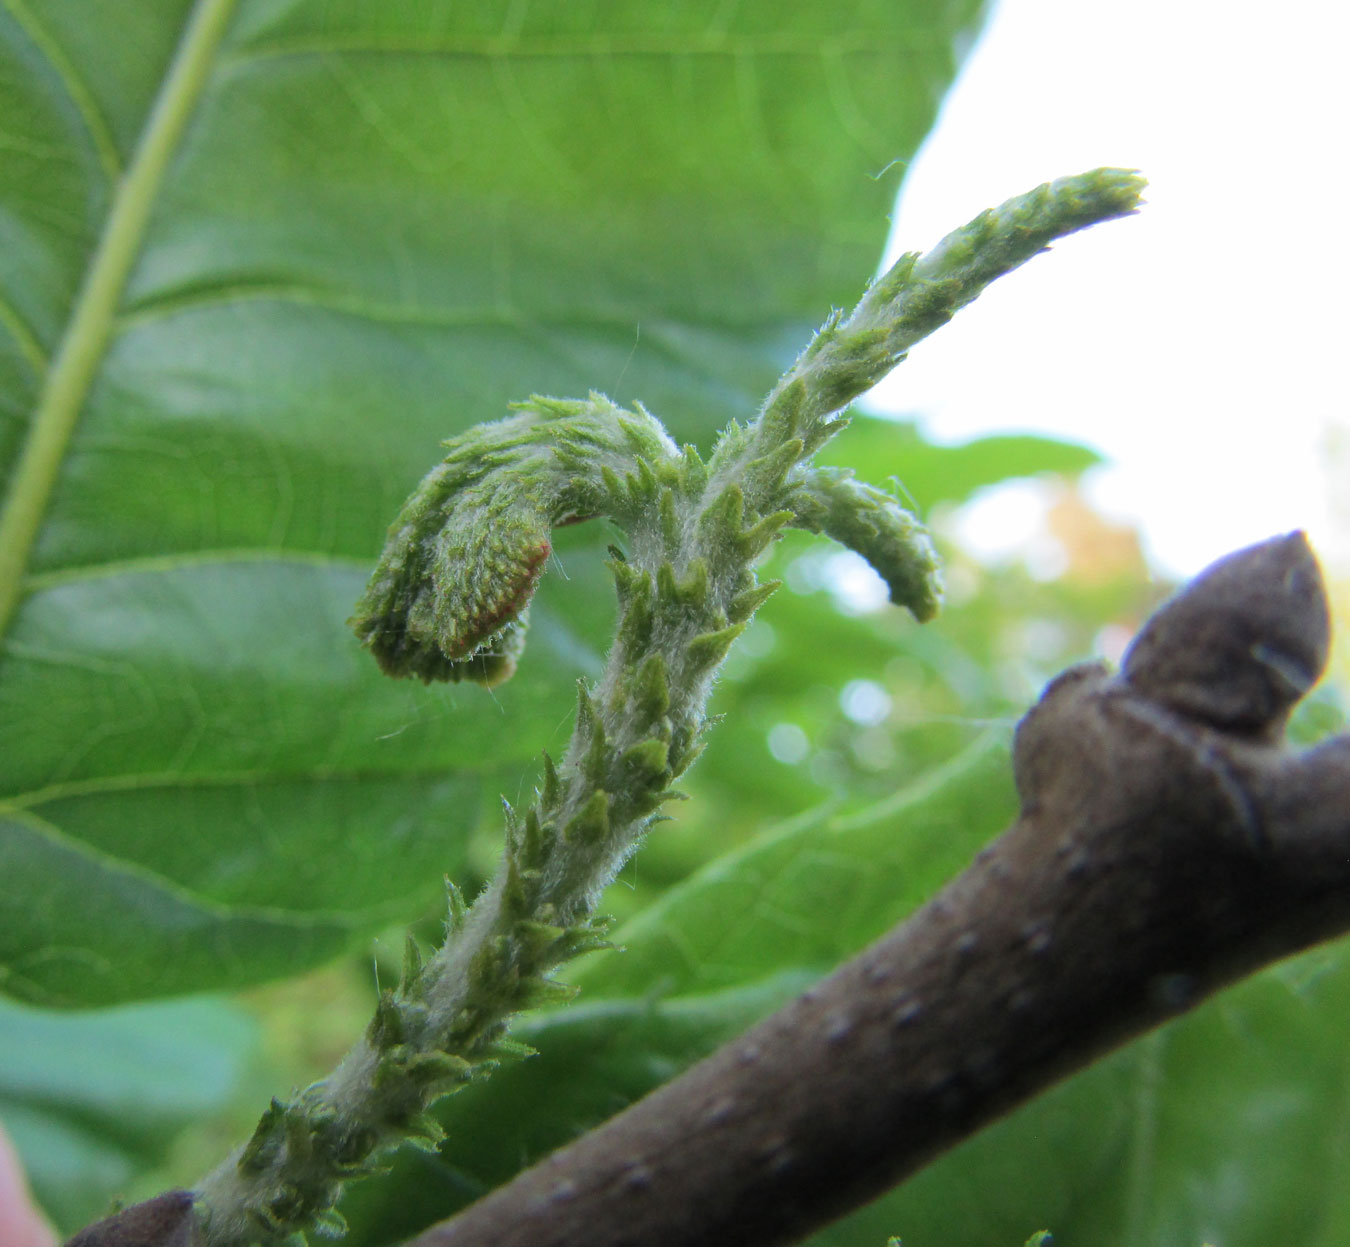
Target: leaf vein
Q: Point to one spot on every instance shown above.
(593, 44)
(34, 355)
(96, 126)
(87, 333)
(55, 835)
(105, 785)
(358, 306)
(190, 559)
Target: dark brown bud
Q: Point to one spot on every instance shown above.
(1241, 643)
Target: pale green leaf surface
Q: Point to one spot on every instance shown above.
(90, 919)
(93, 1100)
(257, 259)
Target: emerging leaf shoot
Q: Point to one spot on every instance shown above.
(448, 601)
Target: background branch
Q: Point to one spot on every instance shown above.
(1168, 844)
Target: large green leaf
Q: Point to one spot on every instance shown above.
(256, 258)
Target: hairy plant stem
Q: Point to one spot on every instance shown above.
(449, 601)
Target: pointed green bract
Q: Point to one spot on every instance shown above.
(648, 690)
(707, 650)
(591, 823)
(743, 606)
(645, 765)
(754, 540)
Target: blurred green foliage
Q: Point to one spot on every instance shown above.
(95, 1102)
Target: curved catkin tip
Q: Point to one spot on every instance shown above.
(1242, 643)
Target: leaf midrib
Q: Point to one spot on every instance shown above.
(136, 782)
(351, 919)
(89, 328)
(564, 45)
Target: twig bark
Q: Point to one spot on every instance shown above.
(1168, 844)
(165, 1221)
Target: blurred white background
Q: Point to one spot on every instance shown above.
(1201, 346)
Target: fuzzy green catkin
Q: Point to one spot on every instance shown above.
(448, 600)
